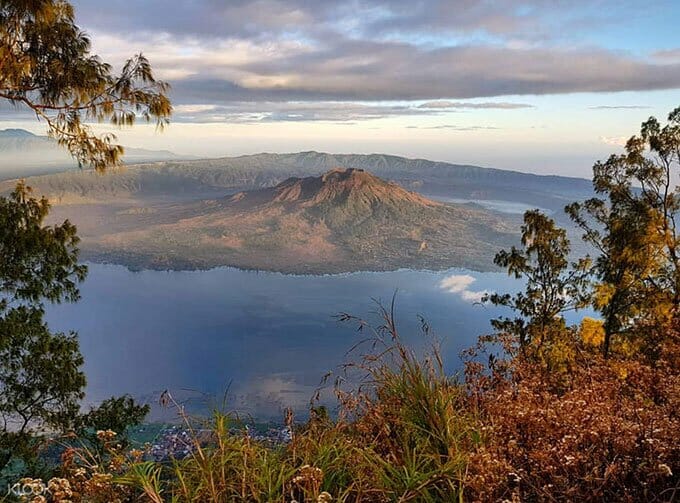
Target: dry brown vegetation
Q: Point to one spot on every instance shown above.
(600, 430)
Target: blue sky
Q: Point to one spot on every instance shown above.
(546, 86)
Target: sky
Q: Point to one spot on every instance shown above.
(544, 86)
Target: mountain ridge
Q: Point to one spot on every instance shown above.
(341, 221)
(210, 177)
(16, 133)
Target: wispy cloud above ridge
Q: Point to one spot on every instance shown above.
(447, 105)
(454, 127)
(620, 107)
(302, 111)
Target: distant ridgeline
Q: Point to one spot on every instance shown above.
(211, 177)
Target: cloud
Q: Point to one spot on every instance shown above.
(352, 70)
(458, 104)
(457, 283)
(514, 20)
(460, 284)
(287, 111)
(472, 296)
(456, 128)
(366, 70)
(243, 55)
(193, 109)
(620, 107)
(667, 55)
(616, 141)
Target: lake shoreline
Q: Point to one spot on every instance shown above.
(187, 265)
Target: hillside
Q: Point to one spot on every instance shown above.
(344, 220)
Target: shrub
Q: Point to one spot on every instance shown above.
(611, 435)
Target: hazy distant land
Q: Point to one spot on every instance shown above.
(23, 153)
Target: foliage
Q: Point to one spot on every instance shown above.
(46, 66)
(39, 263)
(553, 286)
(610, 434)
(41, 382)
(591, 332)
(632, 226)
(106, 472)
(412, 416)
(116, 413)
(40, 378)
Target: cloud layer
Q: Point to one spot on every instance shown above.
(245, 56)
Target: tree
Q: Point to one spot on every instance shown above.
(553, 286)
(46, 67)
(38, 262)
(116, 414)
(652, 159)
(40, 378)
(632, 226)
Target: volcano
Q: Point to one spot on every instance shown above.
(344, 220)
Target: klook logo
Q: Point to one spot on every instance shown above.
(27, 488)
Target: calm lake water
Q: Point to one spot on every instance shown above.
(269, 337)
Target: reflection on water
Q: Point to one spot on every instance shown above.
(271, 336)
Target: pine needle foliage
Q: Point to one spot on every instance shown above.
(46, 67)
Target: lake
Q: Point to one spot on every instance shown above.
(269, 338)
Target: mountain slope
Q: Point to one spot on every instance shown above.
(337, 188)
(344, 220)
